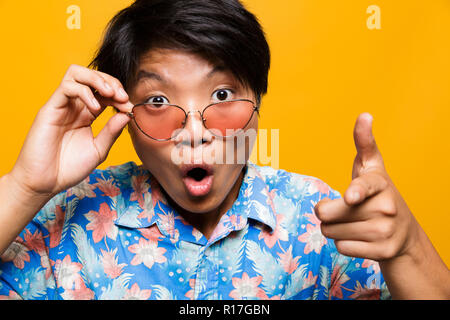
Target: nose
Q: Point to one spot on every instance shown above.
(194, 132)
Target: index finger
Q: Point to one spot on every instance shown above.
(119, 106)
(337, 211)
(120, 93)
(90, 78)
(329, 211)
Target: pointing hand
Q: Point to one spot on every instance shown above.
(372, 220)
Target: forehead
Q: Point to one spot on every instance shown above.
(177, 65)
(178, 72)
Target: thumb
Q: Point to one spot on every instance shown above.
(109, 134)
(368, 155)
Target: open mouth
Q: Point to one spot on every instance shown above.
(197, 178)
(197, 174)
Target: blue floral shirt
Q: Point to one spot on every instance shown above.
(114, 236)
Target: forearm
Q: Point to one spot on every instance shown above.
(420, 274)
(17, 209)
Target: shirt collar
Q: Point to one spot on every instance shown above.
(254, 200)
(142, 204)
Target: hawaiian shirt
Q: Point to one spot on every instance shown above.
(115, 236)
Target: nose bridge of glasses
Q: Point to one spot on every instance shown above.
(194, 111)
(194, 124)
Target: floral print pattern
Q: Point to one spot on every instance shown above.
(115, 236)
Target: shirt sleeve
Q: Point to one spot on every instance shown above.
(26, 266)
(348, 277)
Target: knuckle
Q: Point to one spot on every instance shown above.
(73, 68)
(386, 252)
(364, 181)
(389, 207)
(373, 182)
(370, 184)
(97, 78)
(86, 91)
(116, 83)
(112, 81)
(110, 78)
(66, 85)
(385, 229)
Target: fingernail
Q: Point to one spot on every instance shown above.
(130, 107)
(369, 117)
(122, 93)
(95, 102)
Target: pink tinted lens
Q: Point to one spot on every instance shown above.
(226, 117)
(159, 121)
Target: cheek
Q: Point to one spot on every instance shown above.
(152, 153)
(236, 150)
(244, 144)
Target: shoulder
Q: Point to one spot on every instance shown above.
(107, 182)
(291, 197)
(100, 184)
(294, 186)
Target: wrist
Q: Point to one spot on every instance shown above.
(416, 245)
(21, 192)
(414, 249)
(417, 272)
(17, 209)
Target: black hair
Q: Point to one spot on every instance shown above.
(221, 31)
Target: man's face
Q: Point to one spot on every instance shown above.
(191, 82)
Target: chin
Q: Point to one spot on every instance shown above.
(198, 205)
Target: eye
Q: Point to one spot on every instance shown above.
(223, 94)
(157, 100)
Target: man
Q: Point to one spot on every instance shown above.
(188, 78)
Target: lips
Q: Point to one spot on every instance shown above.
(197, 178)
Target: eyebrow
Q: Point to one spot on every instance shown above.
(219, 68)
(152, 75)
(149, 75)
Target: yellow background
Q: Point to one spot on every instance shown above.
(327, 68)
